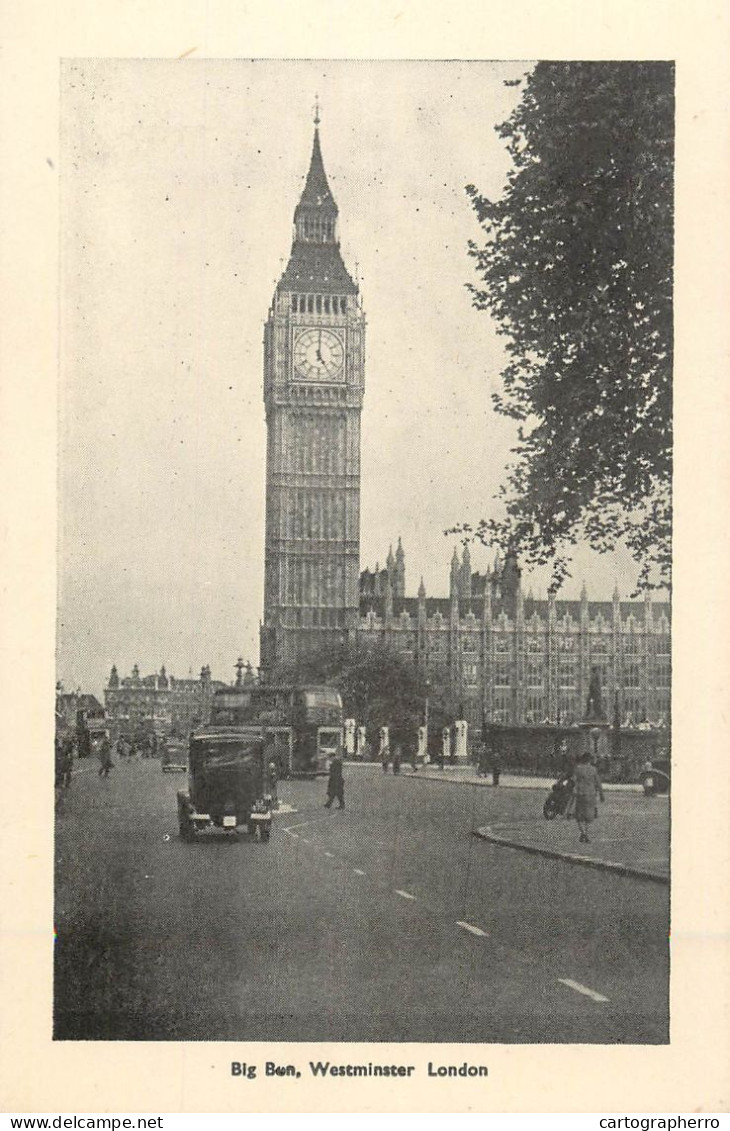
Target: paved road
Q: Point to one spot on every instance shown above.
(388, 921)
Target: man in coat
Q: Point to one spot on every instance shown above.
(588, 789)
(105, 757)
(336, 782)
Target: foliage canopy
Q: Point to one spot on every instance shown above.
(576, 269)
(379, 687)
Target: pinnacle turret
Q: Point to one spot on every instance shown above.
(317, 202)
(315, 265)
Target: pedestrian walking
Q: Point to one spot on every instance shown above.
(567, 763)
(483, 763)
(496, 767)
(414, 753)
(445, 746)
(60, 762)
(384, 758)
(69, 747)
(273, 780)
(105, 757)
(396, 759)
(587, 789)
(336, 783)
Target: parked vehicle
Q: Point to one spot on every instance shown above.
(559, 797)
(655, 777)
(227, 781)
(174, 756)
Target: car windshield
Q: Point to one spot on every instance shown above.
(221, 755)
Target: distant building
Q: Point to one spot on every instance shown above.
(515, 660)
(74, 707)
(159, 703)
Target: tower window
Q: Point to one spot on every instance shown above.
(310, 304)
(343, 305)
(294, 303)
(319, 304)
(326, 304)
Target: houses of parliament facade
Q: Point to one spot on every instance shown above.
(507, 657)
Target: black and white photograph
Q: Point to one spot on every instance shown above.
(363, 703)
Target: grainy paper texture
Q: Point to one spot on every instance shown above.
(691, 1073)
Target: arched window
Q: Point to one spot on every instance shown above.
(294, 303)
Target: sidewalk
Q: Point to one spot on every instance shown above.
(467, 775)
(630, 838)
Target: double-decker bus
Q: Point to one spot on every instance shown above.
(302, 725)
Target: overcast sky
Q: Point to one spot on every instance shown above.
(179, 182)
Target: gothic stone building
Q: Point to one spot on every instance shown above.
(313, 393)
(161, 704)
(512, 658)
(516, 660)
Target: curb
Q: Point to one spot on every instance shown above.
(610, 787)
(486, 833)
(479, 784)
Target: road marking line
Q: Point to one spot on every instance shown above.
(329, 854)
(472, 929)
(305, 841)
(582, 989)
(303, 824)
(295, 835)
(358, 871)
(405, 894)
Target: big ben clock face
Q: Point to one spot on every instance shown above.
(318, 356)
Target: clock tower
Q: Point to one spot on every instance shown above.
(314, 342)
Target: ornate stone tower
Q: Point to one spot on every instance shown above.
(313, 391)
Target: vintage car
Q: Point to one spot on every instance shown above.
(174, 758)
(227, 784)
(656, 776)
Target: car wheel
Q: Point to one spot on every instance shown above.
(550, 809)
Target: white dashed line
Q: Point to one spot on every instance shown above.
(582, 989)
(405, 894)
(295, 835)
(329, 854)
(305, 841)
(358, 871)
(472, 929)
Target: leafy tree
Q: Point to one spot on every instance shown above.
(577, 271)
(379, 687)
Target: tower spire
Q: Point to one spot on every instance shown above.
(317, 201)
(315, 253)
